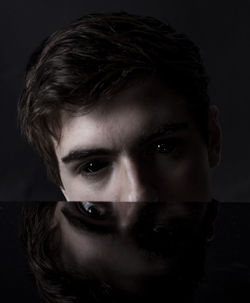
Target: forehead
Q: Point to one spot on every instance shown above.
(117, 120)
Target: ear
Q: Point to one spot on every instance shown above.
(214, 137)
(63, 191)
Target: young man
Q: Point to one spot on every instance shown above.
(117, 107)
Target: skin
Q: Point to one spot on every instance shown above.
(144, 146)
(119, 244)
(125, 162)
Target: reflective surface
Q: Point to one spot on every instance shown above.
(225, 277)
(115, 252)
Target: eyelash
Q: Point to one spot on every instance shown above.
(96, 225)
(86, 165)
(170, 144)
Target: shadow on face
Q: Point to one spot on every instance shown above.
(131, 251)
(140, 145)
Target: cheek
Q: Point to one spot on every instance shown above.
(187, 179)
(75, 190)
(103, 257)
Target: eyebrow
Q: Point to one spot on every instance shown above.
(163, 129)
(81, 153)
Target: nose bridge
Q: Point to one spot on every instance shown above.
(134, 184)
(136, 187)
(128, 213)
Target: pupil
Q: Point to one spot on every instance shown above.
(93, 209)
(95, 166)
(165, 147)
(90, 167)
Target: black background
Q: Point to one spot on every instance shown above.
(16, 281)
(220, 28)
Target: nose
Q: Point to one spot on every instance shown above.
(136, 183)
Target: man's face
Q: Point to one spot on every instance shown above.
(136, 248)
(140, 145)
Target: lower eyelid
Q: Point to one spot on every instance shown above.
(93, 174)
(168, 143)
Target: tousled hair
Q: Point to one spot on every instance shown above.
(42, 242)
(98, 56)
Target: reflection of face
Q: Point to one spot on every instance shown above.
(141, 145)
(133, 246)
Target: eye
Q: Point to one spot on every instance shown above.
(92, 168)
(96, 210)
(163, 147)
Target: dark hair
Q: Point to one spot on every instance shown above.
(42, 241)
(99, 55)
(38, 234)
